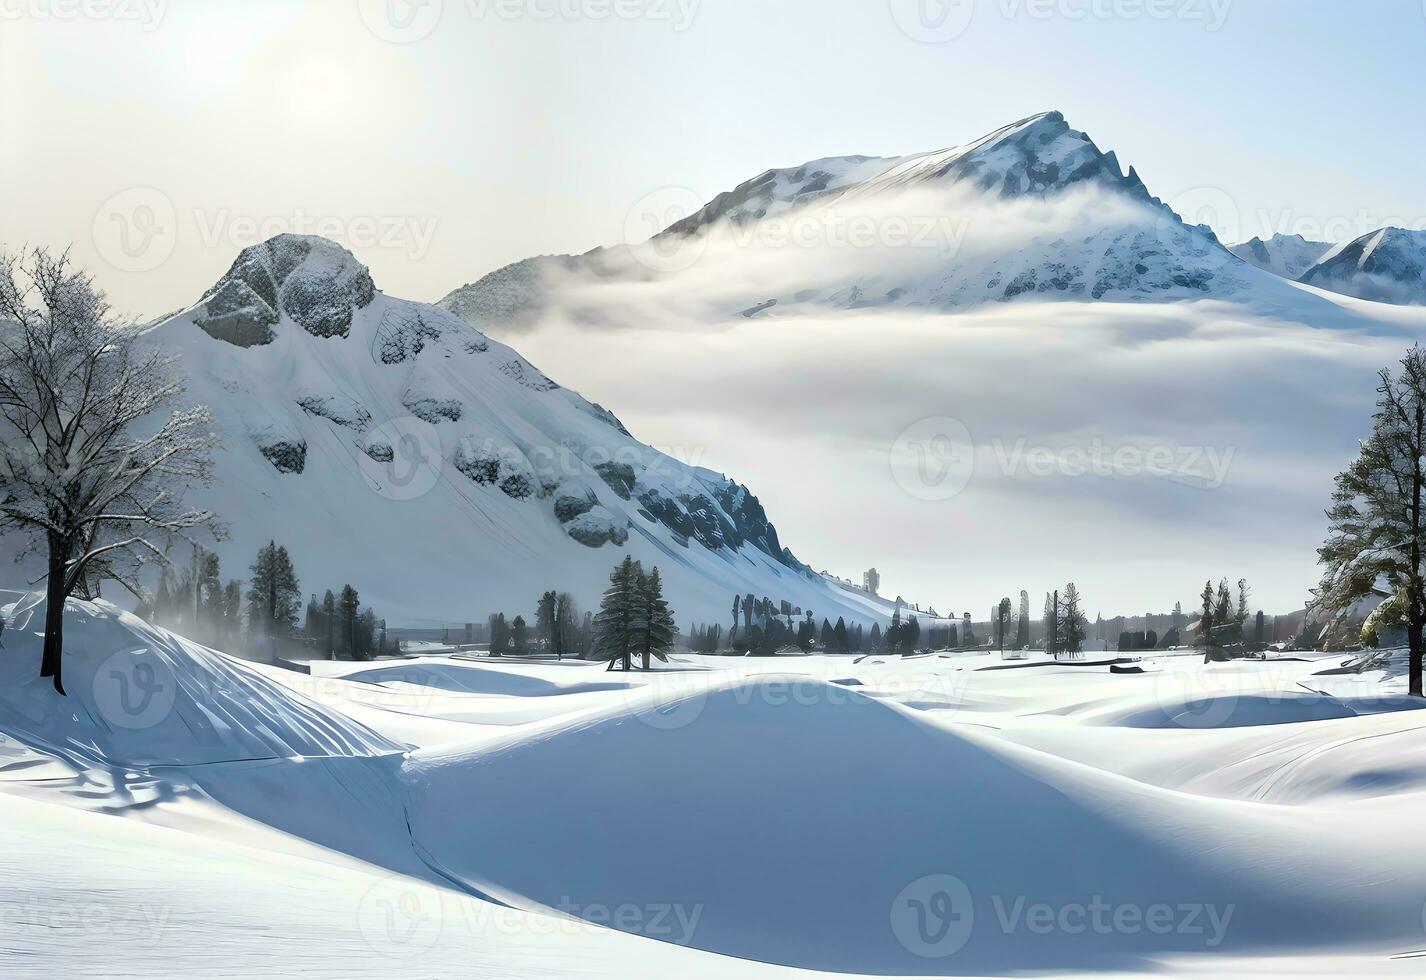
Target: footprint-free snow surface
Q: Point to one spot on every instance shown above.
(715, 817)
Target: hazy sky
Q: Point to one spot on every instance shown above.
(440, 140)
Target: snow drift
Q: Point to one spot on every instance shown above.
(142, 696)
(790, 821)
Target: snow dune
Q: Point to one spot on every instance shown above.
(916, 817)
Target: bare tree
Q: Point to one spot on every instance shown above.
(1377, 530)
(92, 470)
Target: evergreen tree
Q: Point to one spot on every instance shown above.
(656, 623)
(910, 635)
(519, 637)
(874, 641)
(828, 638)
(1022, 626)
(499, 635)
(348, 605)
(839, 635)
(232, 612)
(545, 619)
(1223, 609)
(274, 597)
(329, 622)
(1205, 625)
(1071, 622)
(364, 635)
(1052, 623)
(617, 626)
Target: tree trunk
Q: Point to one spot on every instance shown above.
(1413, 634)
(51, 664)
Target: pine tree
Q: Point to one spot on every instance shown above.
(910, 635)
(1071, 622)
(617, 626)
(545, 619)
(519, 637)
(839, 635)
(1205, 625)
(274, 596)
(348, 605)
(1052, 623)
(329, 621)
(657, 629)
(499, 635)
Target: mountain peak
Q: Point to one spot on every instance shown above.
(314, 281)
(1387, 265)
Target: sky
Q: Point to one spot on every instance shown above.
(442, 139)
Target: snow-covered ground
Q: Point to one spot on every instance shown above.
(186, 814)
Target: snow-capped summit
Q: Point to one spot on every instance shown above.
(1039, 155)
(1288, 256)
(1386, 266)
(1032, 209)
(388, 444)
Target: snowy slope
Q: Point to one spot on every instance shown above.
(1288, 256)
(1388, 266)
(1033, 209)
(920, 816)
(389, 445)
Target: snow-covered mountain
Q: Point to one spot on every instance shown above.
(1388, 266)
(1288, 256)
(1032, 209)
(388, 444)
